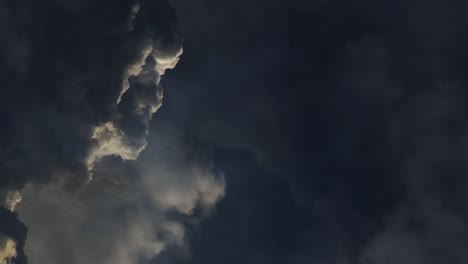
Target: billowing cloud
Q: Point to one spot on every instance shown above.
(125, 134)
(131, 211)
(66, 72)
(80, 84)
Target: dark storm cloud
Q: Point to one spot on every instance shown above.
(232, 56)
(354, 112)
(63, 67)
(360, 109)
(79, 85)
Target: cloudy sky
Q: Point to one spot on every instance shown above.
(220, 131)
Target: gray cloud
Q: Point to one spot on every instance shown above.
(80, 83)
(419, 234)
(368, 98)
(126, 214)
(66, 81)
(358, 107)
